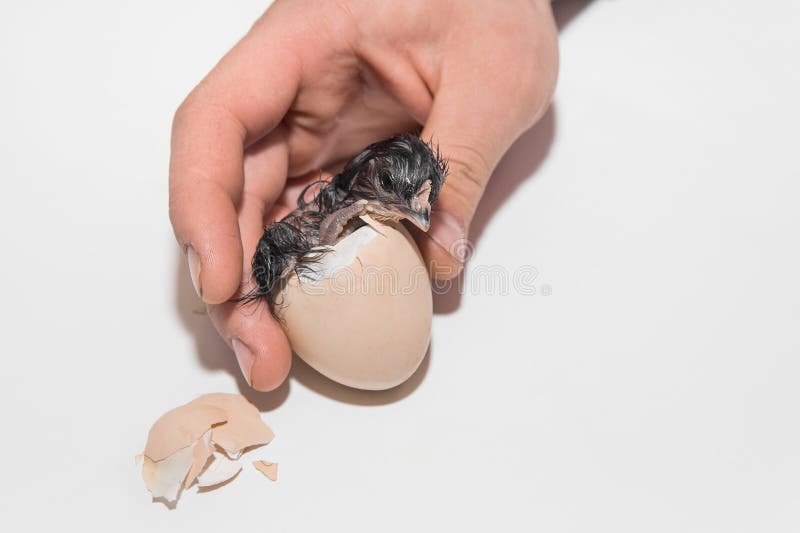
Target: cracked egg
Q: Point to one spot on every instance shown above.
(363, 317)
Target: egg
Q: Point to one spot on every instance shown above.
(363, 317)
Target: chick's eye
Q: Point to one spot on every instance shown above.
(386, 181)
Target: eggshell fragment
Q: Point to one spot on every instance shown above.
(200, 456)
(164, 479)
(244, 427)
(366, 325)
(268, 469)
(201, 441)
(181, 427)
(220, 470)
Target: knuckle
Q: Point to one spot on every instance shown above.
(188, 110)
(470, 166)
(531, 80)
(183, 111)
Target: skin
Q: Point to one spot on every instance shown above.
(308, 87)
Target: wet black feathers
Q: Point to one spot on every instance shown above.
(391, 170)
(400, 164)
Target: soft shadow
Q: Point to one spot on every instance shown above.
(566, 10)
(318, 383)
(166, 503)
(528, 153)
(518, 165)
(447, 294)
(212, 352)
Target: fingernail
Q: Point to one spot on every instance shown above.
(450, 235)
(245, 358)
(194, 269)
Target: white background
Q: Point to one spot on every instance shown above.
(655, 389)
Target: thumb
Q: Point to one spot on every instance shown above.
(472, 133)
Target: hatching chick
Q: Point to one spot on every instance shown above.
(394, 179)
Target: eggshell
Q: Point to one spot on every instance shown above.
(220, 470)
(164, 479)
(201, 441)
(201, 453)
(268, 469)
(365, 323)
(244, 427)
(181, 427)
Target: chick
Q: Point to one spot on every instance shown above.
(395, 179)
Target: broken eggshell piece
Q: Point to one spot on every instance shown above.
(181, 427)
(364, 320)
(244, 427)
(164, 479)
(220, 470)
(201, 453)
(201, 441)
(268, 469)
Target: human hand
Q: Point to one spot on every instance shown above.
(307, 88)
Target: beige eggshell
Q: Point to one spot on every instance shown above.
(201, 441)
(244, 427)
(368, 325)
(268, 469)
(220, 470)
(181, 427)
(200, 455)
(164, 479)
(236, 425)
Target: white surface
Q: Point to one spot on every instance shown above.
(655, 389)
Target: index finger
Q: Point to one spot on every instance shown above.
(244, 97)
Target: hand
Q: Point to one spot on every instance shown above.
(308, 87)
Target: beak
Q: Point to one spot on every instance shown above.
(419, 208)
(421, 219)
